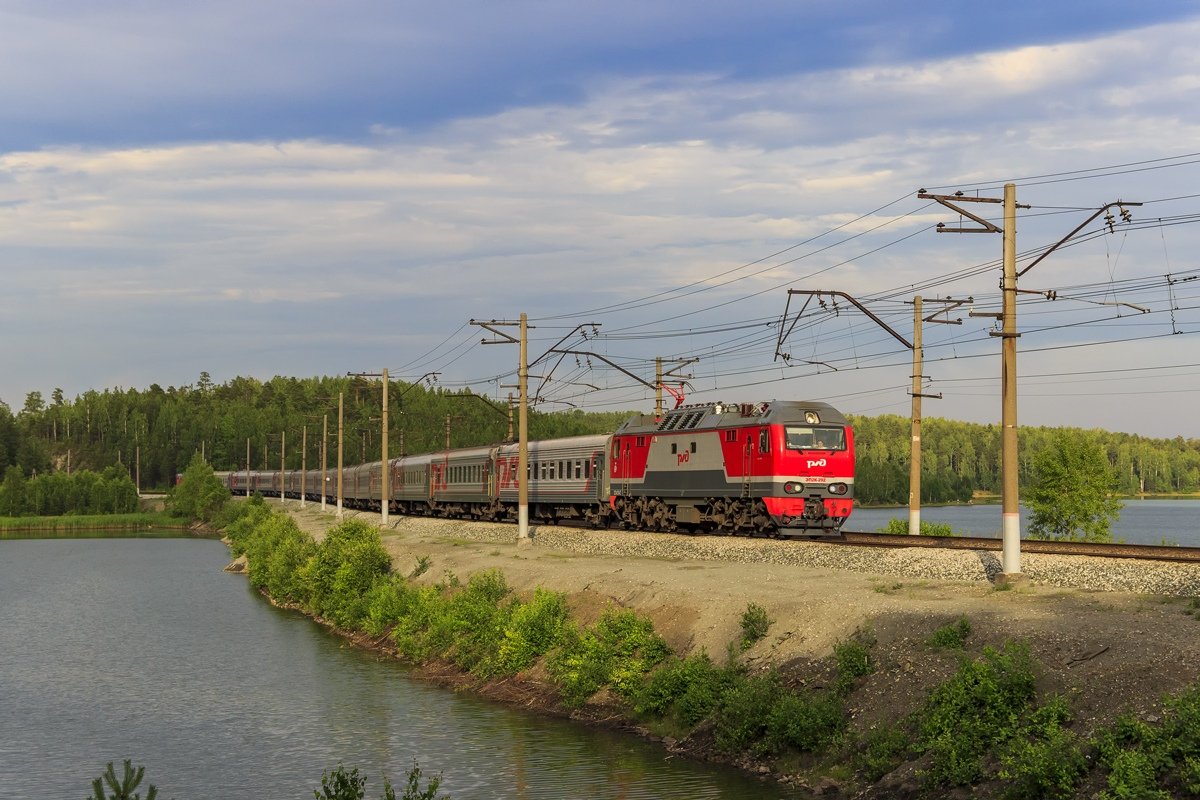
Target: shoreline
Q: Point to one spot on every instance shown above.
(1113, 651)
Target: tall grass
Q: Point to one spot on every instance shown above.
(91, 522)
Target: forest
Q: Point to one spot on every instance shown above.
(153, 433)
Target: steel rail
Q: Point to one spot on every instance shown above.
(1149, 552)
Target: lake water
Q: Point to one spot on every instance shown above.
(1141, 521)
(144, 649)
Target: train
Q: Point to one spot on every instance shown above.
(777, 468)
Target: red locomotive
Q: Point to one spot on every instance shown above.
(784, 466)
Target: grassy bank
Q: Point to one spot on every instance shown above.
(986, 729)
(88, 524)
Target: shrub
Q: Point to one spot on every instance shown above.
(533, 629)
(242, 528)
(688, 688)
(1141, 758)
(413, 633)
(755, 624)
(263, 542)
(952, 636)
(618, 650)
(476, 620)
(881, 750)
(1044, 760)
(341, 784)
(976, 709)
(387, 602)
(200, 493)
(346, 564)
(122, 789)
(285, 565)
(853, 660)
(741, 721)
(758, 714)
(805, 720)
(900, 527)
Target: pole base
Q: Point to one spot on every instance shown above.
(1011, 579)
(524, 541)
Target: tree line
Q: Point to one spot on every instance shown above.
(152, 434)
(53, 494)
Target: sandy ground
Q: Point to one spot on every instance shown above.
(1107, 652)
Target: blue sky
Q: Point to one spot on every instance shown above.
(310, 188)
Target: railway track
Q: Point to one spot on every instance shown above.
(1145, 552)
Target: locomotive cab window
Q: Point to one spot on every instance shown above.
(807, 438)
(764, 441)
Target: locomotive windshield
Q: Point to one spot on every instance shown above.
(809, 438)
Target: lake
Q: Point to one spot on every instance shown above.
(144, 649)
(1141, 521)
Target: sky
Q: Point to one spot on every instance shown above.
(315, 188)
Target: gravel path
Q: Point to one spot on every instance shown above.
(1075, 572)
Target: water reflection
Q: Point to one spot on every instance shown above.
(144, 649)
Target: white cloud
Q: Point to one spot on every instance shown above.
(646, 185)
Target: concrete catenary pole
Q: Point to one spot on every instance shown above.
(324, 459)
(341, 404)
(1011, 512)
(523, 436)
(303, 464)
(282, 465)
(914, 467)
(385, 478)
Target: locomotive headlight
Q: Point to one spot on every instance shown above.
(793, 487)
(812, 417)
(838, 488)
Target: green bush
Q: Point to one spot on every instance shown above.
(688, 689)
(899, 527)
(414, 633)
(241, 529)
(199, 494)
(755, 624)
(881, 750)
(853, 660)
(121, 789)
(533, 629)
(341, 784)
(1160, 761)
(285, 564)
(1044, 760)
(387, 602)
(618, 650)
(977, 709)
(741, 721)
(346, 564)
(952, 636)
(476, 619)
(804, 720)
(263, 542)
(758, 714)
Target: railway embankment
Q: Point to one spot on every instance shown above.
(1114, 641)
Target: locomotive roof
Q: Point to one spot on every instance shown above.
(730, 415)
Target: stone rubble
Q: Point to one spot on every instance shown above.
(1076, 572)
